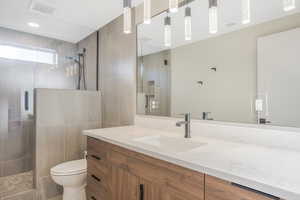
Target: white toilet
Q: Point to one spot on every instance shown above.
(72, 176)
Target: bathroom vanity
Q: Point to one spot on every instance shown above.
(129, 163)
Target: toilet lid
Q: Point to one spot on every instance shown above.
(70, 168)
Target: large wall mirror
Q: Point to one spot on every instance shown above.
(238, 61)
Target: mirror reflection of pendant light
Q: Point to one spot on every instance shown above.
(289, 5)
(246, 12)
(147, 11)
(168, 34)
(213, 16)
(188, 23)
(127, 16)
(173, 6)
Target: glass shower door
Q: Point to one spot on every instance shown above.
(16, 125)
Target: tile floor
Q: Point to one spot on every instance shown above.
(12, 185)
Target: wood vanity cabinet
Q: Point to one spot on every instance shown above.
(116, 173)
(217, 189)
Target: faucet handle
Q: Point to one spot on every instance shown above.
(187, 117)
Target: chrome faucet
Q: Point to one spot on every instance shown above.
(187, 123)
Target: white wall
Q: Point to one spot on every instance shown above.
(228, 93)
(278, 77)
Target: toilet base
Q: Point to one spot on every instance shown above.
(72, 193)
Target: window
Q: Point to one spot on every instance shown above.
(28, 54)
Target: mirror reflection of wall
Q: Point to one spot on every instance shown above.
(219, 76)
(154, 84)
(278, 77)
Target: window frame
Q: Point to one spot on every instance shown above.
(34, 51)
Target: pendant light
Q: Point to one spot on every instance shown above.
(127, 16)
(173, 6)
(147, 11)
(289, 5)
(168, 34)
(246, 12)
(213, 16)
(188, 23)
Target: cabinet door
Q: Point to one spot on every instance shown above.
(149, 190)
(153, 191)
(124, 186)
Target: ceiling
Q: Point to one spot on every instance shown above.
(151, 37)
(68, 20)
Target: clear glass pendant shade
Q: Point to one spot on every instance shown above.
(168, 33)
(127, 16)
(213, 16)
(188, 23)
(289, 5)
(173, 6)
(147, 11)
(213, 20)
(246, 12)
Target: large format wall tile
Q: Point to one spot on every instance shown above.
(49, 109)
(90, 44)
(117, 57)
(74, 147)
(15, 166)
(50, 147)
(61, 115)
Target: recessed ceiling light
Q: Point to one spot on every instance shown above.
(33, 24)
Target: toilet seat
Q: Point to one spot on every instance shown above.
(70, 168)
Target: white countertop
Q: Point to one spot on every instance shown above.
(275, 171)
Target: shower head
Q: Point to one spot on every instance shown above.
(82, 53)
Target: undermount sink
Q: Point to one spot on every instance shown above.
(171, 144)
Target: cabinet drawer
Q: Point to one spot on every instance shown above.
(94, 192)
(97, 148)
(96, 158)
(92, 195)
(101, 167)
(217, 189)
(98, 175)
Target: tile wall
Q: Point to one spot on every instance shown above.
(61, 115)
